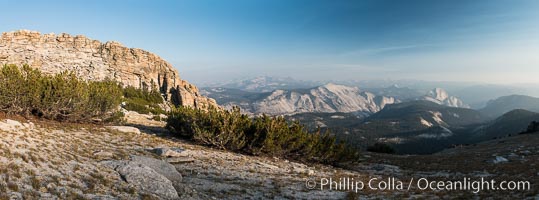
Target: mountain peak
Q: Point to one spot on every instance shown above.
(440, 96)
(504, 104)
(336, 87)
(438, 93)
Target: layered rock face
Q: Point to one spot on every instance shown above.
(440, 96)
(93, 60)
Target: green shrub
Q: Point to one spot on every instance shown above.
(61, 97)
(153, 96)
(142, 100)
(381, 148)
(267, 136)
(222, 129)
(142, 106)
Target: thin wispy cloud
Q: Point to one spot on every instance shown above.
(381, 50)
(315, 39)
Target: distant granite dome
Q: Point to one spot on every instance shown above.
(440, 96)
(93, 60)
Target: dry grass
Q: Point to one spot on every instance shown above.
(57, 157)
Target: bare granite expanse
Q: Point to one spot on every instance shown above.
(51, 160)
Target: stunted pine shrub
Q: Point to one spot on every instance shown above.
(143, 100)
(267, 136)
(62, 97)
(381, 148)
(221, 129)
(153, 96)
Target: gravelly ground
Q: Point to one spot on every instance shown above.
(49, 160)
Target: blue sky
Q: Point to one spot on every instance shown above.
(494, 41)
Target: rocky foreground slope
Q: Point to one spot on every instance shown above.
(94, 60)
(49, 160)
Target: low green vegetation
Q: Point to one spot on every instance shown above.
(65, 97)
(267, 136)
(62, 97)
(142, 100)
(381, 148)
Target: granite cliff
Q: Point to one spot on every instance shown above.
(94, 60)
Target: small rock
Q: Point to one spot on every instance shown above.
(51, 186)
(267, 165)
(45, 195)
(176, 160)
(100, 197)
(526, 152)
(300, 170)
(10, 125)
(29, 125)
(392, 169)
(161, 167)
(103, 155)
(297, 170)
(149, 175)
(15, 196)
(125, 129)
(13, 123)
(61, 192)
(96, 120)
(148, 180)
(170, 152)
(499, 159)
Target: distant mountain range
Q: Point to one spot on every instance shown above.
(416, 120)
(512, 122)
(266, 84)
(327, 98)
(501, 105)
(426, 114)
(420, 127)
(476, 95)
(410, 120)
(403, 93)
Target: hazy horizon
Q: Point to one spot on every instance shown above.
(342, 81)
(216, 41)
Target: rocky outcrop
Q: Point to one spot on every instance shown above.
(125, 129)
(440, 96)
(149, 175)
(94, 60)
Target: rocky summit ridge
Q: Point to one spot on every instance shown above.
(440, 96)
(93, 60)
(323, 99)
